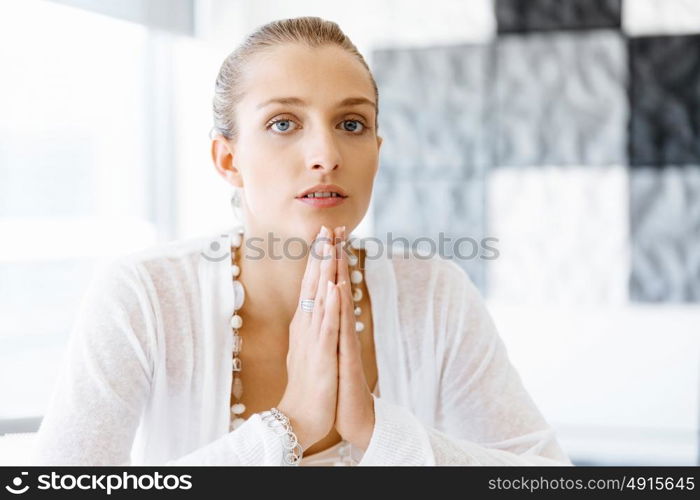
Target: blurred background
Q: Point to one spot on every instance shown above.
(568, 130)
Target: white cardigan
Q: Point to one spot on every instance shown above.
(147, 376)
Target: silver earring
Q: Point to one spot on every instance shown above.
(236, 199)
(236, 204)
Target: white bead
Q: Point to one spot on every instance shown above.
(236, 321)
(237, 388)
(236, 240)
(359, 326)
(238, 408)
(358, 311)
(237, 344)
(237, 422)
(356, 277)
(238, 295)
(352, 259)
(235, 271)
(236, 365)
(357, 294)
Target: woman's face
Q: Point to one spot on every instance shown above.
(284, 148)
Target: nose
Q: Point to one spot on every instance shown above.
(323, 152)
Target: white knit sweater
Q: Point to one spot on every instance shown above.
(147, 377)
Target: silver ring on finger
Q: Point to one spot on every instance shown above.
(307, 305)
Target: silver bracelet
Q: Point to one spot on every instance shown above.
(278, 421)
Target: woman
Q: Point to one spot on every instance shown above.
(157, 372)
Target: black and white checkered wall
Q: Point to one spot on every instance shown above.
(572, 136)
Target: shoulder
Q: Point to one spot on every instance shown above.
(433, 293)
(170, 257)
(438, 276)
(439, 305)
(135, 295)
(163, 273)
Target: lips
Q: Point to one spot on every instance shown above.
(327, 202)
(323, 194)
(323, 188)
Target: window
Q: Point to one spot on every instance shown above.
(80, 176)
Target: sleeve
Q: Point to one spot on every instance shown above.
(487, 416)
(105, 381)
(253, 443)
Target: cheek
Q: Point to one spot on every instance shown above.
(368, 170)
(262, 164)
(270, 190)
(270, 183)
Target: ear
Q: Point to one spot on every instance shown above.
(379, 147)
(222, 154)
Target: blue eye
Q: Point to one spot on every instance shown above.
(283, 121)
(356, 122)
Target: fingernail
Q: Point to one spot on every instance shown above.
(324, 231)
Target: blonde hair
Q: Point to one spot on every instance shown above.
(312, 31)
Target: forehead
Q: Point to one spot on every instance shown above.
(321, 75)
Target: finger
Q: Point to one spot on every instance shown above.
(339, 251)
(333, 263)
(324, 237)
(338, 233)
(309, 283)
(348, 341)
(331, 316)
(321, 288)
(343, 271)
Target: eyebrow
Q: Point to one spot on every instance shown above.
(296, 101)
